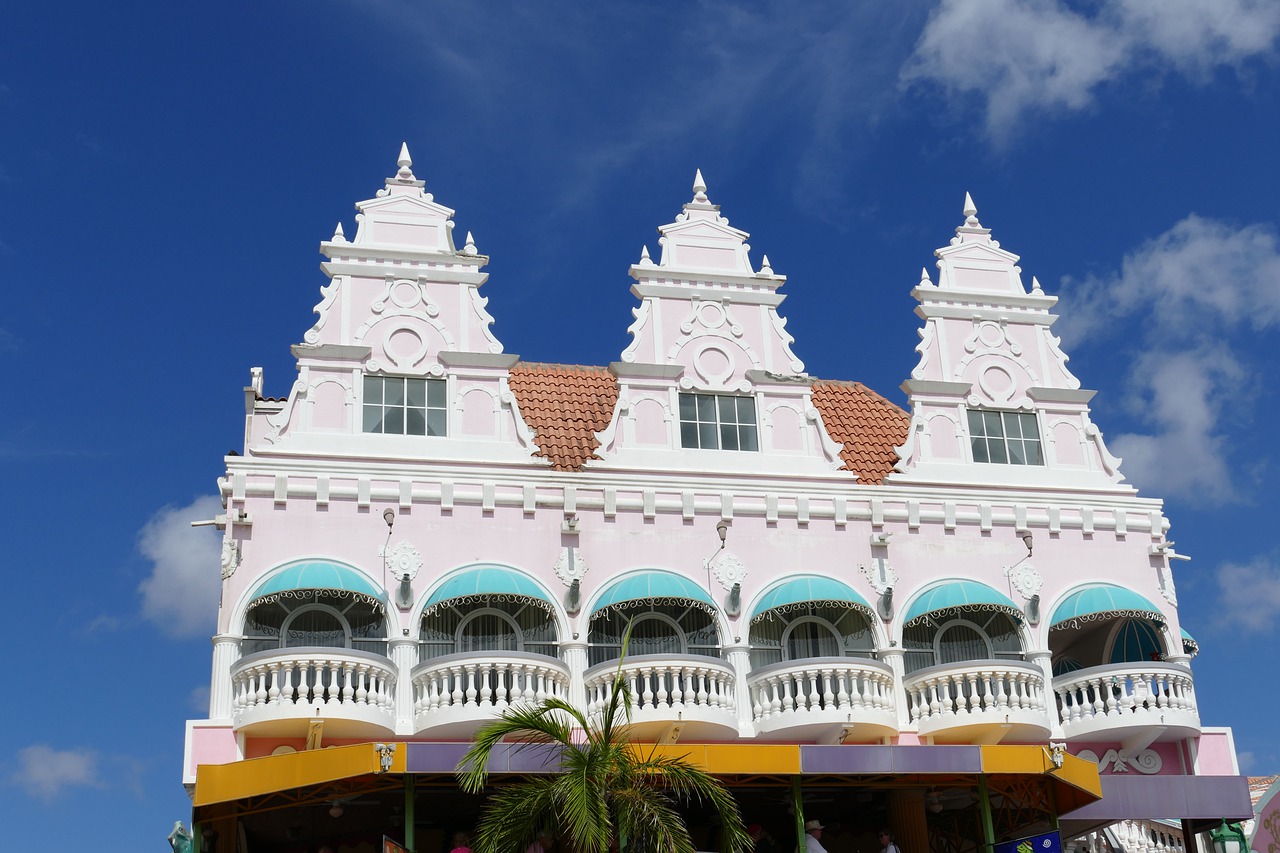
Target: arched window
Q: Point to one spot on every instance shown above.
(317, 618)
(494, 626)
(657, 629)
(811, 632)
(974, 635)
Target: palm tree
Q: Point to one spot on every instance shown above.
(611, 794)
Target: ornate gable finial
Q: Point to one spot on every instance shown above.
(1036, 289)
(765, 269)
(699, 188)
(925, 281)
(404, 162)
(645, 260)
(338, 236)
(470, 248)
(970, 212)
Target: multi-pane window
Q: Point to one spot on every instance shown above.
(718, 422)
(397, 405)
(1011, 438)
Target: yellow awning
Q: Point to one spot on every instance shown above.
(222, 783)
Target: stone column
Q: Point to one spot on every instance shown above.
(404, 655)
(1043, 660)
(907, 819)
(738, 656)
(226, 650)
(574, 654)
(893, 656)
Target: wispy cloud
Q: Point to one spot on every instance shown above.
(1251, 592)
(198, 699)
(1193, 303)
(180, 596)
(1020, 57)
(46, 773)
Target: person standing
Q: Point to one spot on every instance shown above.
(813, 837)
(886, 842)
(541, 844)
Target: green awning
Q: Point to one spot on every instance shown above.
(654, 587)
(489, 583)
(806, 591)
(302, 579)
(1102, 601)
(953, 597)
(1189, 644)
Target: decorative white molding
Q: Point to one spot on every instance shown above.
(1025, 579)
(230, 554)
(879, 574)
(1167, 588)
(402, 559)
(1145, 761)
(570, 566)
(728, 569)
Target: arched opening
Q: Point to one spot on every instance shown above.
(969, 634)
(657, 629)
(811, 631)
(315, 618)
(516, 625)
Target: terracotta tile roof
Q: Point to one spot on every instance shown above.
(565, 405)
(868, 425)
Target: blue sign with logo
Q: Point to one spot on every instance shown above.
(1049, 842)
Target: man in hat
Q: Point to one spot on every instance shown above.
(813, 837)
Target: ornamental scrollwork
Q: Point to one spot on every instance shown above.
(880, 575)
(230, 556)
(1025, 579)
(403, 560)
(570, 566)
(728, 569)
(1145, 761)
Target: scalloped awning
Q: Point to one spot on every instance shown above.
(316, 575)
(810, 590)
(1189, 644)
(1102, 601)
(956, 596)
(489, 583)
(654, 587)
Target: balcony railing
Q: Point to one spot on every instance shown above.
(276, 688)
(474, 687)
(668, 688)
(979, 701)
(1117, 697)
(822, 692)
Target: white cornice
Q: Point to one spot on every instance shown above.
(765, 377)
(937, 300)
(641, 370)
(366, 267)
(335, 352)
(1060, 395)
(936, 387)
(709, 292)
(454, 358)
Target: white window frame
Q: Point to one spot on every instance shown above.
(950, 623)
(818, 620)
(1004, 439)
(719, 424)
(472, 615)
(404, 407)
(294, 614)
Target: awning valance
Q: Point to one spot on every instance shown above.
(1189, 644)
(654, 587)
(806, 591)
(489, 583)
(1102, 601)
(301, 580)
(953, 597)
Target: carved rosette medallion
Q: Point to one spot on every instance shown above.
(728, 569)
(230, 555)
(570, 566)
(1025, 579)
(403, 559)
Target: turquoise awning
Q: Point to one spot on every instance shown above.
(1102, 601)
(810, 590)
(1189, 644)
(956, 596)
(654, 587)
(301, 578)
(489, 583)
(1137, 641)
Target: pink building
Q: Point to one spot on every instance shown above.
(425, 529)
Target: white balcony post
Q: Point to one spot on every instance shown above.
(1044, 660)
(404, 654)
(894, 657)
(738, 656)
(574, 655)
(226, 648)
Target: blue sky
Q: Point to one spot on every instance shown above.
(167, 173)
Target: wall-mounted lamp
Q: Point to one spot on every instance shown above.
(573, 598)
(733, 601)
(722, 529)
(1027, 540)
(404, 593)
(880, 539)
(389, 516)
(1032, 609)
(335, 810)
(885, 605)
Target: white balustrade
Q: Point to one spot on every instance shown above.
(486, 682)
(659, 683)
(976, 691)
(852, 688)
(1126, 694)
(312, 677)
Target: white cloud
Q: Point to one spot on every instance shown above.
(1026, 56)
(1247, 760)
(198, 700)
(1191, 302)
(46, 772)
(181, 593)
(1250, 592)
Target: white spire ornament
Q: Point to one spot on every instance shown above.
(699, 188)
(970, 212)
(404, 162)
(765, 269)
(645, 260)
(470, 248)
(338, 236)
(925, 281)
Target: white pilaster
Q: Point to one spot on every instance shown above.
(894, 658)
(574, 655)
(1043, 659)
(739, 657)
(226, 650)
(404, 654)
